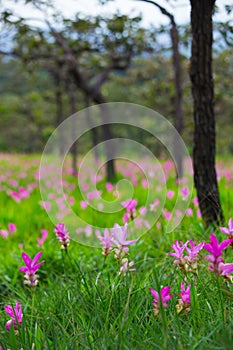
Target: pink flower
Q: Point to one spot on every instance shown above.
(225, 269)
(178, 251)
(228, 230)
(130, 204)
(185, 301)
(185, 192)
(106, 241)
(15, 314)
(189, 212)
(31, 268)
(62, 235)
(216, 251)
(214, 248)
(126, 266)
(164, 296)
(11, 227)
(44, 234)
(185, 294)
(84, 204)
(170, 194)
(109, 186)
(4, 233)
(193, 250)
(120, 235)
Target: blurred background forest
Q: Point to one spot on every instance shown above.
(53, 66)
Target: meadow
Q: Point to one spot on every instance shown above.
(111, 288)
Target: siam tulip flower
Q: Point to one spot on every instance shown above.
(193, 250)
(31, 268)
(106, 241)
(163, 297)
(170, 194)
(185, 301)
(44, 234)
(11, 227)
(109, 187)
(120, 239)
(228, 230)
(62, 235)
(16, 316)
(130, 206)
(126, 266)
(189, 212)
(178, 252)
(185, 192)
(187, 263)
(216, 251)
(120, 235)
(4, 233)
(225, 269)
(84, 204)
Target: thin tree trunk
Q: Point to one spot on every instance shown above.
(59, 111)
(94, 131)
(74, 152)
(204, 119)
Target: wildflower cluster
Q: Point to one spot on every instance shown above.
(62, 235)
(185, 255)
(116, 241)
(187, 263)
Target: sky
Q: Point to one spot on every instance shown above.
(151, 15)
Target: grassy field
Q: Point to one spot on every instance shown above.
(87, 300)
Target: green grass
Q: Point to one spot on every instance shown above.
(81, 301)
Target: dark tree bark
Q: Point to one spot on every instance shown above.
(59, 110)
(179, 115)
(71, 88)
(204, 119)
(94, 131)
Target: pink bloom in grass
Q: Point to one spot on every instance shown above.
(15, 314)
(126, 266)
(163, 297)
(185, 301)
(185, 294)
(170, 194)
(11, 227)
(178, 248)
(193, 250)
(84, 204)
(4, 233)
(44, 236)
(120, 239)
(187, 263)
(106, 241)
(215, 249)
(31, 278)
(189, 212)
(120, 236)
(109, 187)
(225, 269)
(62, 235)
(130, 204)
(126, 217)
(185, 192)
(228, 230)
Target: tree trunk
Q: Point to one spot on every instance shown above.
(59, 112)
(73, 150)
(204, 133)
(94, 132)
(178, 95)
(107, 135)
